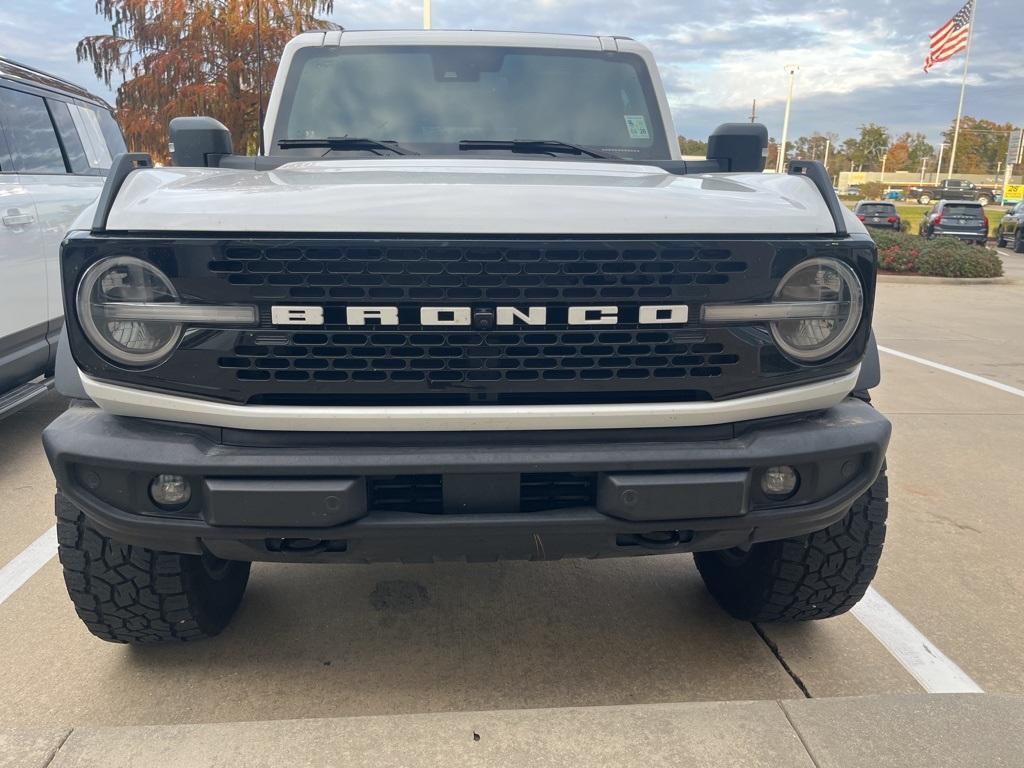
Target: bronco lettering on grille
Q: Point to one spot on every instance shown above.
(646, 314)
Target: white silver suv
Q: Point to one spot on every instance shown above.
(56, 145)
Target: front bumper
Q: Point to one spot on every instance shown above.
(315, 497)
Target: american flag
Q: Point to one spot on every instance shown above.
(951, 37)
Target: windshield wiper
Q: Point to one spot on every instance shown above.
(532, 147)
(345, 143)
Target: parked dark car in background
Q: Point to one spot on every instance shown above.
(878, 214)
(962, 219)
(951, 189)
(1011, 229)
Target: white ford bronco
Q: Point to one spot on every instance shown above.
(468, 304)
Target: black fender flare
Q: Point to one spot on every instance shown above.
(870, 367)
(65, 373)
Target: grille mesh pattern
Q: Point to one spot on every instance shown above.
(407, 273)
(556, 490)
(496, 356)
(423, 494)
(405, 493)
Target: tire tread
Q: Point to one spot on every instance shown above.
(131, 594)
(817, 576)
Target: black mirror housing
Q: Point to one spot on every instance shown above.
(739, 146)
(198, 142)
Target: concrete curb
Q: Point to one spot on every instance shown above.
(928, 280)
(908, 731)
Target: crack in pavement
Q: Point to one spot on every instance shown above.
(774, 648)
(954, 523)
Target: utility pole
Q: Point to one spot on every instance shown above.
(924, 164)
(938, 168)
(963, 87)
(792, 70)
(753, 112)
(426, 14)
(828, 146)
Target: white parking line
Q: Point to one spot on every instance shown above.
(935, 671)
(24, 566)
(955, 371)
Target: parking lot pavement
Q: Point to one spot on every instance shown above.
(383, 640)
(26, 499)
(973, 327)
(877, 731)
(956, 462)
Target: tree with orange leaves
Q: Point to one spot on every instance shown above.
(194, 57)
(898, 156)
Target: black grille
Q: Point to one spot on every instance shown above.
(404, 493)
(423, 494)
(554, 273)
(415, 364)
(494, 357)
(557, 490)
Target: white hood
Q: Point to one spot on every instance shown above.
(472, 196)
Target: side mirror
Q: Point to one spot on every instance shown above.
(739, 146)
(198, 142)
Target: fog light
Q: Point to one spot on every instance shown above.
(170, 491)
(779, 481)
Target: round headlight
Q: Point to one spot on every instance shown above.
(837, 288)
(112, 283)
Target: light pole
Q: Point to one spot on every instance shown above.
(792, 70)
(924, 164)
(426, 14)
(938, 168)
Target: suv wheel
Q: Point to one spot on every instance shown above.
(984, 200)
(924, 199)
(1000, 240)
(1018, 240)
(816, 576)
(130, 594)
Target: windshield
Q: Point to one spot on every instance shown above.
(429, 98)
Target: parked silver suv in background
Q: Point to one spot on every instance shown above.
(56, 145)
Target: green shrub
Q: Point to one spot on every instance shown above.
(939, 257)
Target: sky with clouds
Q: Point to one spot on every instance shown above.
(860, 60)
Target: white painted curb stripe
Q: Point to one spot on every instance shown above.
(935, 671)
(955, 371)
(24, 566)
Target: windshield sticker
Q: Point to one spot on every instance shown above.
(637, 127)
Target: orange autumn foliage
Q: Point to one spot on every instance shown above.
(193, 57)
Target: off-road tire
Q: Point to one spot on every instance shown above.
(924, 199)
(817, 576)
(984, 200)
(1018, 240)
(1000, 240)
(131, 594)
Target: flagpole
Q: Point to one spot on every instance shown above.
(963, 87)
